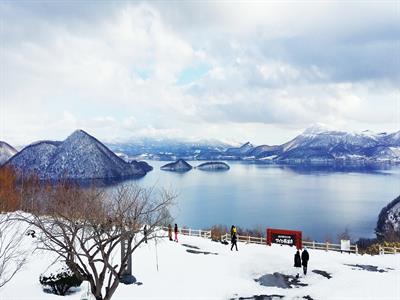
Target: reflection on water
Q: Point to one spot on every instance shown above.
(319, 200)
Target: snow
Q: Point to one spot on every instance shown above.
(229, 274)
(6, 151)
(317, 128)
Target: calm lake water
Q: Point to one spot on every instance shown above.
(321, 202)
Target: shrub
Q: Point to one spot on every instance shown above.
(60, 280)
(217, 231)
(371, 246)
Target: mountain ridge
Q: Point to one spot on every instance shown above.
(317, 143)
(80, 156)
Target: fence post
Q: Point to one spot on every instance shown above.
(313, 244)
(249, 239)
(395, 250)
(356, 249)
(190, 231)
(327, 246)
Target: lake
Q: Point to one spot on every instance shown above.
(320, 201)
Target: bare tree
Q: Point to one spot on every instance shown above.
(12, 254)
(86, 227)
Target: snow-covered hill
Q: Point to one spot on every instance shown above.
(80, 156)
(6, 152)
(389, 219)
(197, 268)
(178, 166)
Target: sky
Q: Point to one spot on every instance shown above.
(233, 71)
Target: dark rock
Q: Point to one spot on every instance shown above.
(200, 252)
(190, 246)
(322, 273)
(260, 297)
(280, 280)
(369, 268)
(127, 279)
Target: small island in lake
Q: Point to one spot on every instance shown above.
(213, 166)
(178, 166)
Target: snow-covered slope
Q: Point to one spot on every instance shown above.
(6, 152)
(169, 270)
(80, 156)
(242, 150)
(389, 219)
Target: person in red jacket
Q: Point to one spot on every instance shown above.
(176, 232)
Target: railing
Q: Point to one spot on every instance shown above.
(329, 246)
(193, 232)
(388, 250)
(262, 240)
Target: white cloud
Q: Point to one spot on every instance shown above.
(273, 67)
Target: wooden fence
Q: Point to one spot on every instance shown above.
(192, 232)
(262, 240)
(388, 250)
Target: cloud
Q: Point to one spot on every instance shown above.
(201, 70)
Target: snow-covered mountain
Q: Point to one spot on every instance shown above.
(80, 156)
(388, 225)
(320, 144)
(6, 152)
(240, 151)
(169, 149)
(315, 144)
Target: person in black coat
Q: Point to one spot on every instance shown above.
(297, 262)
(304, 260)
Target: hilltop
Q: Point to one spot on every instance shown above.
(80, 156)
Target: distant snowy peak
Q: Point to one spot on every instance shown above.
(6, 152)
(238, 151)
(317, 128)
(79, 156)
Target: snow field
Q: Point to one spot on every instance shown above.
(230, 274)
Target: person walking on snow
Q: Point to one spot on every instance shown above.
(304, 260)
(233, 238)
(176, 232)
(170, 232)
(297, 262)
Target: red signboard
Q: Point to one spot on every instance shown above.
(284, 237)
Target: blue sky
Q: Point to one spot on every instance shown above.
(234, 71)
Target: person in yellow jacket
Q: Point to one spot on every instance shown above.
(233, 237)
